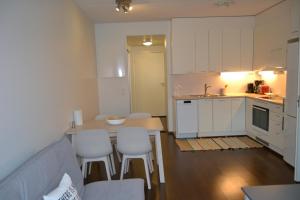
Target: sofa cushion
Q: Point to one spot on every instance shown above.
(64, 191)
(129, 189)
(42, 173)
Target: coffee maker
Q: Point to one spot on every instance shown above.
(257, 83)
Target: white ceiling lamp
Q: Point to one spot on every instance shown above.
(224, 2)
(123, 5)
(147, 41)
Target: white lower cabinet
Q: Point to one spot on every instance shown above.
(205, 116)
(221, 117)
(238, 114)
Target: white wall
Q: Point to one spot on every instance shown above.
(47, 69)
(114, 97)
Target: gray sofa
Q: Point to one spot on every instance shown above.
(43, 172)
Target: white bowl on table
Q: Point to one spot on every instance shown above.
(115, 120)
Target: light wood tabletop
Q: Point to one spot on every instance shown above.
(151, 124)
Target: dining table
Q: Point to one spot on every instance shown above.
(153, 125)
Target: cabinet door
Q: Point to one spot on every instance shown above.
(205, 118)
(295, 16)
(222, 115)
(238, 114)
(249, 104)
(215, 56)
(201, 50)
(231, 49)
(183, 47)
(246, 49)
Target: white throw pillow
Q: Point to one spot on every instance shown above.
(64, 191)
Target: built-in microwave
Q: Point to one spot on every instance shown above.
(260, 118)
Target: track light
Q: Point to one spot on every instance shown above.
(124, 5)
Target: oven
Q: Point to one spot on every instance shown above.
(260, 118)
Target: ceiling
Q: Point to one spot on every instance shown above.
(101, 11)
(157, 40)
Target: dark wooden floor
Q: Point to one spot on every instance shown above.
(207, 174)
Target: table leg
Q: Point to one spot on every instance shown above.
(159, 157)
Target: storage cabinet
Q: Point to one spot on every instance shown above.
(270, 37)
(295, 16)
(205, 116)
(238, 114)
(221, 115)
(215, 50)
(231, 49)
(212, 44)
(183, 47)
(201, 50)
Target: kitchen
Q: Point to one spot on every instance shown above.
(237, 80)
(223, 56)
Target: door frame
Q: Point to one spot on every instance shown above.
(130, 59)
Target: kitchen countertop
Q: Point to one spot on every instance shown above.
(273, 192)
(276, 100)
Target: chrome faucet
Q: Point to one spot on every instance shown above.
(205, 88)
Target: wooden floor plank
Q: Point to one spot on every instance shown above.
(220, 142)
(183, 145)
(203, 143)
(230, 143)
(195, 145)
(250, 142)
(214, 145)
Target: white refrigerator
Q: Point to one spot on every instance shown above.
(292, 105)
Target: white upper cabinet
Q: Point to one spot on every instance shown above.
(215, 50)
(295, 16)
(270, 37)
(231, 49)
(212, 44)
(183, 47)
(246, 49)
(202, 49)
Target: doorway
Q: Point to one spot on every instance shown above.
(147, 70)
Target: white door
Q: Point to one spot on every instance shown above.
(148, 93)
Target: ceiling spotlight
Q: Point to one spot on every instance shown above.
(147, 41)
(124, 5)
(224, 2)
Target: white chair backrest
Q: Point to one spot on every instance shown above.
(133, 140)
(139, 115)
(100, 117)
(92, 143)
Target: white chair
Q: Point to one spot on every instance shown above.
(139, 115)
(113, 140)
(134, 142)
(94, 145)
(142, 115)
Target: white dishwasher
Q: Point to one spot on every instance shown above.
(186, 118)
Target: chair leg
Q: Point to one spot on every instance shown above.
(90, 167)
(107, 168)
(127, 165)
(118, 153)
(122, 167)
(150, 163)
(147, 171)
(112, 164)
(83, 168)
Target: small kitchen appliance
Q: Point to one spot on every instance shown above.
(250, 88)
